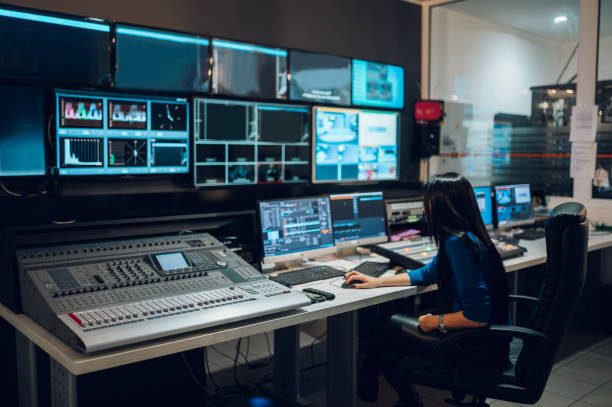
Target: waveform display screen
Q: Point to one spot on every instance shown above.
(39, 46)
(250, 70)
(238, 143)
(113, 134)
(161, 60)
(23, 125)
(352, 145)
(358, 216)
(320, 78)
(378, 85)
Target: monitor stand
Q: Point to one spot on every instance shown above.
(298, 263)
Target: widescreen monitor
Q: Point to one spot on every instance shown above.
(249, 70)
(378, 85)
(37, 46)
(358, 218)
(513, 205)
(23, 126)
(485, 205)
(319, 78)
(149, 59)
(241, 143)
(353, 145)
(295, 227)
(116, 134)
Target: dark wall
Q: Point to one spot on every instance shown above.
(381, 30)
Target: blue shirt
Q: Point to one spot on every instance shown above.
(468, 288)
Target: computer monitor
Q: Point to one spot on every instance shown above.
(160, 60)
(238, 143)
(513, 205)
(241, 69)
(294, 227)
(358, 218)
(23, 126)
(319, 78)
(115, 134)
(376, 84)
(353, 145)
(485, 204)
(52, 48)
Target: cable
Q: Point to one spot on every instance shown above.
(11, 193)
(312, 356)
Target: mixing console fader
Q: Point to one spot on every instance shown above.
(98, 296)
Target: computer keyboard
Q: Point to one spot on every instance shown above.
(531, 234)
(372, 268)
(307, 275)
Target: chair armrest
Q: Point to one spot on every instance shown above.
(524, 299)
(408, 327)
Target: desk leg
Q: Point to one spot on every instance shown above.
(27, 383)
(342, 360)
(515, 282)
(63, 386)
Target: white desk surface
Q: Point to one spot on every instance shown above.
(346, 300)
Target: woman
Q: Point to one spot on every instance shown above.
(471, 278)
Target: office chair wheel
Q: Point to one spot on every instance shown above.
(457, 400)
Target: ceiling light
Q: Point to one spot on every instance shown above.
(560, 19)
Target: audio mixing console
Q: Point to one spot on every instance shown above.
(97, 296)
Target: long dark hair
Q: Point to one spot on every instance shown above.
(451, 210)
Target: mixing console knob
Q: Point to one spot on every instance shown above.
(221, 264)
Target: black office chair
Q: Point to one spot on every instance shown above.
(534, 346)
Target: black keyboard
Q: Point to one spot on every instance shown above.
(372, 268)
(531, 234)
(307, 275)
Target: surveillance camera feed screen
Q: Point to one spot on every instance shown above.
(160, 60)
(513, 204)
(320, 78)
(238, 143)
(377, 84)
(248, 70)
(101, 134)
(353, 145)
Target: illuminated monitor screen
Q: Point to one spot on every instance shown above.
(160, 60)
(354, 145)
(23, 126)
(295, 225)
(359, 216)
(238, 143)
(379, 85)
(320, 78)
(513, 205)
(485, 205)
(51, 48)
(241, 69)
(112, 134)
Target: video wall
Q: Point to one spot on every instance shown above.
(143, 101)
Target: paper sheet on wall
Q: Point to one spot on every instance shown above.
(584, 123)
(583, 159)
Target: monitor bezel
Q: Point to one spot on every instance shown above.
(368, 240)
(401, 108)
(511, 224)
(296, 255)
(313, 143)
(490, 226)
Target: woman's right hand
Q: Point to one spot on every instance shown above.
(367, 281)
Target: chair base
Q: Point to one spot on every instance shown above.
(457, 400)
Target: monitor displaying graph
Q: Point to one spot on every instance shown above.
(112, 134)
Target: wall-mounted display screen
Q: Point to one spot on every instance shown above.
(249, 70)
(160, 60)
(45, 47)
(106, 134)
(376, 84)
(485, 205)
(239, 143)
(354, 145)
(22, 124)
(320, 78)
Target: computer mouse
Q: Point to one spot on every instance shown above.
(351, 284)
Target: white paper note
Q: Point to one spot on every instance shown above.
(584, 123)
(583, 159)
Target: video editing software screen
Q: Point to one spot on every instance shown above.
(513, 205)
(23, 126)
(241, 69)
(295, 225)
(358, 216)
(376, 84)
(238, 143)
(106, 134)
(39, 46)
(160, 60)
(354, 145)
(320, 78)
(483, 198)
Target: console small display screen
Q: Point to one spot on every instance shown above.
(171, 261)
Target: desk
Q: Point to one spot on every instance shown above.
(67, 363)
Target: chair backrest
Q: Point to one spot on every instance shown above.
(566, 250)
